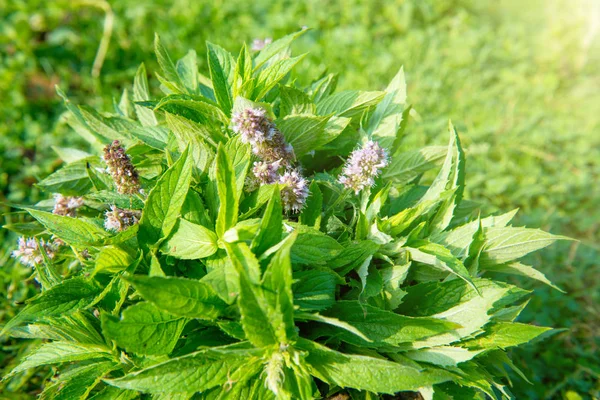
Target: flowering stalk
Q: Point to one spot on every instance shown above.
(363, 166)
(118, 219)
(294, 191)
(274, 153)
(267, 142)
(66, 205)
(121, 169)
(30, 251)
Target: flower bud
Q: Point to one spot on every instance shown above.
(118, 219)
(363, 166)
(121, 169)
(294, 191)
(29, 252)
(66, 205)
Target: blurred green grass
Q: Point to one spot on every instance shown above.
(519, 79)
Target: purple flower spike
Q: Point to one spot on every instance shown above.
(294, 191)
(363, 166)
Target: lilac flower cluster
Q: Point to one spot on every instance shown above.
(66, 205)
(30, 251)
(262, 173)
(274, 153)
(118, 219)
(294, 191)
(259, 44)
(121, 169)
(254, 127)
(363, 166)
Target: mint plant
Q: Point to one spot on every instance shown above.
(242, 237)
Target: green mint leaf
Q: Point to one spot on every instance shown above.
(457, 302)
(256, 312)
(311, 213)
(277, 284)
(368, 373)
(516, 268)
(199, 139)
(313, 246)
(78, 381)
(440, 258)
(221, 66)
(196, 372)
(227, 191)
(141, 92)
(305, 132)
(443, 356)
(166, 64)
(144, 329)
(269, 76)
(62, 299)
(314, 289)
(72, 179)
(385, 327)
(509, 243)
(275, 49)
(238, 154)
(406, 166)
(179, 296)
(164, 202)
(295, 101)
(190, 242)
(349, 103)
(75, 231)
(187, 70)
(62, 352)
(506, 334)
(271, 226)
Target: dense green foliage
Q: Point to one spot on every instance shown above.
(231, 252)
(522, 97)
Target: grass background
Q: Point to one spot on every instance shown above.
(519, 79)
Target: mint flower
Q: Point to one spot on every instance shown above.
(118, 219)
(29, 252)
(294, 191)
(252, 125)
(121, 169)
(66, 205)
(275, 149)
(259, 44)
(267, 142)
(363, 166)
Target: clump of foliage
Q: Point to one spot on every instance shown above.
(245, 237)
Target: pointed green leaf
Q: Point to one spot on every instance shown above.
(508, 244)
(304, 132)
(179, 296)
(75, 231)
(348, 103)
(506, 334)
(166, 64)
(277, 284)
(196, 372)
(144, 329)
(221, 65)
(61, 352)
(271, 226)
(257, 321)
(406, 166)
(141, 92)
(227, 191)
(164, 202)
(385, 327)
(367, 373)
(190, 242)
